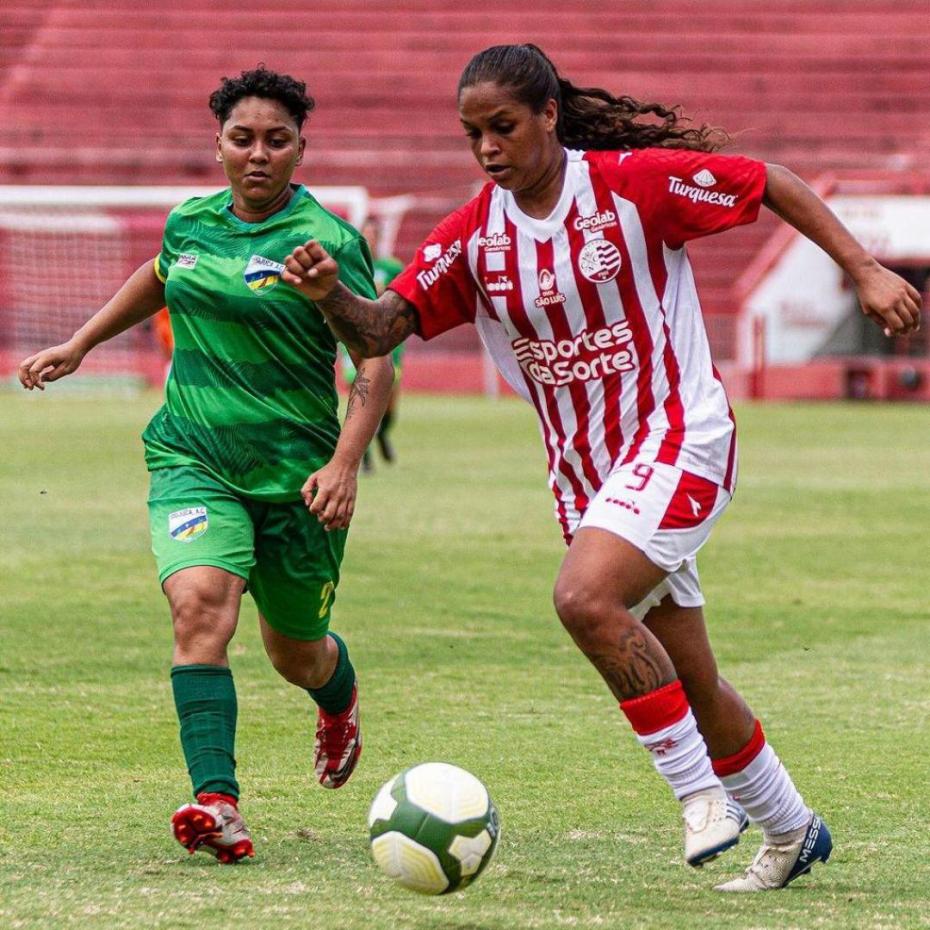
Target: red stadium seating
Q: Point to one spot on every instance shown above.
(116, 92)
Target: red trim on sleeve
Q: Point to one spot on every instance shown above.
(730, 765)
(438, 282)
(656, 710)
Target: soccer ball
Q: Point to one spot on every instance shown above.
(433, 828)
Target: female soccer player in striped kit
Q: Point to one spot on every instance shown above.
(572, 265)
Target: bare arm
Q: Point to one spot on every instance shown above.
(369, 328)
(140, 296)
(884, 296)
(330, 492)
(368, 399)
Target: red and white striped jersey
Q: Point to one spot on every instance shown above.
(592, 314)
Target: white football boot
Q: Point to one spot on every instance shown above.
(784, 858)
(712, 825)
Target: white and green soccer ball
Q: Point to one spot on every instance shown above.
(433, 828)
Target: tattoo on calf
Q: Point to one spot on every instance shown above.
(629, 670)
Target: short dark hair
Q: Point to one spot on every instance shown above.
(260, 82)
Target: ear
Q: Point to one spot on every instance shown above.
(219, 154)
(301, 145)
(551, 114)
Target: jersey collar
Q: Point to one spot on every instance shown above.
(544, 229)
(300, 192)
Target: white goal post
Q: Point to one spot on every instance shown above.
(65, 250)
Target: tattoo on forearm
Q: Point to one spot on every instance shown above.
(630, 670)
(360, 388)
(370, 327)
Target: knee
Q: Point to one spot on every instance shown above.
(291, 670)
(307, 666)
(198, 617)
(587, 614)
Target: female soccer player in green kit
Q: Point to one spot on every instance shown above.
(250, 411)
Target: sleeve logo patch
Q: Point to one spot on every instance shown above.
(262, 274)
(187, 260)
(678, 187)
(186, 525)
(444, 262)
(704, 178)
(432, 251)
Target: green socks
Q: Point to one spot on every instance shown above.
(205, 698)
(335, 695)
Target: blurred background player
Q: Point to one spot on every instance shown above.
(164, 338)
(250, 411)
(386, 268)
(572, 265)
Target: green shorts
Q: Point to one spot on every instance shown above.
(291, 564)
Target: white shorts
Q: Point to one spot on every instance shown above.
(668, 514)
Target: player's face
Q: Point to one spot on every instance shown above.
(259, 147)
(514, 146)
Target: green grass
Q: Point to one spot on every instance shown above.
(817, 588)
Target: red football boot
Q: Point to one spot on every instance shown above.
(338, 744)
(214, 825)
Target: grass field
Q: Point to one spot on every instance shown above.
(817, 584)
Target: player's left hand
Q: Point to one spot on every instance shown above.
(330, 492)
(889, 301)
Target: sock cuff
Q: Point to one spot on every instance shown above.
(340, 643)
(336, 694)
(211, 797)
(221, 670)
(658, 709)
(730, 765)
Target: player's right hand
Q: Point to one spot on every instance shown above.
(311, 270)
(49, 365)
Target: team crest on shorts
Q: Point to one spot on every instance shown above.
(262, 274)
(186, 525)
(599, 261)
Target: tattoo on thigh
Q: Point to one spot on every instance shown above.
(630, 670)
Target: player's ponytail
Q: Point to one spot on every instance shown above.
(589, 117)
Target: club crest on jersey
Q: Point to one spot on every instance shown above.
(187, 260)
(547, 293)
(262, 274)
(599, 261)
(186, 525)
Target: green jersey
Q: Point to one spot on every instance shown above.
(386, 270)
(251, 396)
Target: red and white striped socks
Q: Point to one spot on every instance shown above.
(665, 725)
(755, 778)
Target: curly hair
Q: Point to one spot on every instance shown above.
(589, 117)
(260, 82)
